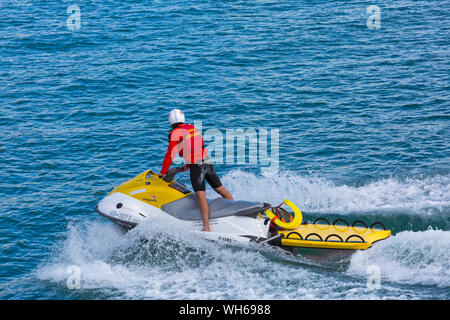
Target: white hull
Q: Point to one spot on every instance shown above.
(129, 212)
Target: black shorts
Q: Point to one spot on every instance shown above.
(200, 172)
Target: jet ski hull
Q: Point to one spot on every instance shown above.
(128, 212)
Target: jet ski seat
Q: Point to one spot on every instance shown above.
(187, 208)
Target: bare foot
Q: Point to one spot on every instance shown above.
(206, 229)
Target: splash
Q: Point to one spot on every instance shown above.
(319, 195)
(156, 260)
(409, 257)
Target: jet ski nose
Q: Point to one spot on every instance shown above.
(106, 208)
(118, 208)
(107, 205)
(103, 207)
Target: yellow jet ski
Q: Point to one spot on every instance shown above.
(148, 197)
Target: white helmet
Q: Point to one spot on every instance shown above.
(176, 116)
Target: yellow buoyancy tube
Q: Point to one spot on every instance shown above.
(328, 236)
(333, 236)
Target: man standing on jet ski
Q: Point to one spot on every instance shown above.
(186, 140)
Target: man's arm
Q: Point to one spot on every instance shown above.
(170, 155)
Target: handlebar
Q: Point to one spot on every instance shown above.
(172, 172)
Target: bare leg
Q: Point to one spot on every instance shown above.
(224, 192)
(204, 209)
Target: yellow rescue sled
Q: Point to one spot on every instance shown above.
(321, 233)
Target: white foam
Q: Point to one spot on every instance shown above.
(175, 264)
(409, 257)
(320, 195)
(183, 266)
(188, 267)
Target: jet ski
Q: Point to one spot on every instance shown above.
(147, 197)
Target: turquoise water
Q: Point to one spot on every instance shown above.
(363, 118)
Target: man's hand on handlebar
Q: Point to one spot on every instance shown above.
(172, 172)
(184, 168)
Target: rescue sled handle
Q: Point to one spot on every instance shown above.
(276, 219)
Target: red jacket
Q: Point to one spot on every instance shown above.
(186, 141)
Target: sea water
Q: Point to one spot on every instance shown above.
(360, 105)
